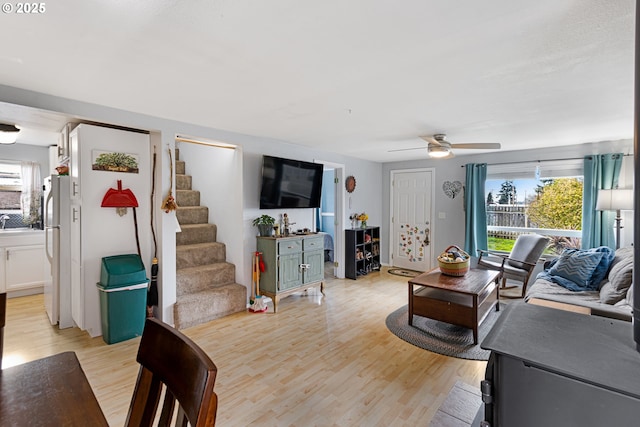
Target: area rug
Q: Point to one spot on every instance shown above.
(404, 272)
(440, 337)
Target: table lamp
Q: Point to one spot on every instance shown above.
(617, 199)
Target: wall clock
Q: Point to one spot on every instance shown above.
(350, 184)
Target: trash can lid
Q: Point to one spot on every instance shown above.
(122, 270)
(123, 264)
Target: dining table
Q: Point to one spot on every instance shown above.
(52, 391)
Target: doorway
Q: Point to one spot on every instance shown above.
(330, 217)
(411, 219)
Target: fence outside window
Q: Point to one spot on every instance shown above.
(509, 221)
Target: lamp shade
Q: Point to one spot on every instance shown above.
(615, 199)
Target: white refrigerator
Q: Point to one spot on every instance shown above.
(57, 274)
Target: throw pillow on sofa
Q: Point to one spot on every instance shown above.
(585, 268)
(601, 271)
(608, 295)
(620, 278)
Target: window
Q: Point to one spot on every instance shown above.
(539, 197)
(10, 187)
(20, 194)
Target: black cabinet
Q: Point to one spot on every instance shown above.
(362, 251)
(551, 367)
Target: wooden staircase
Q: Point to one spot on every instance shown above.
(205, 282)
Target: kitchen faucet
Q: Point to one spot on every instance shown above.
(3, 220)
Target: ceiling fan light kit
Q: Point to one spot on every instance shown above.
(438, 151)
(438, 147)
(8, 133)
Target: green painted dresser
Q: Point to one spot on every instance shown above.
(292, 264)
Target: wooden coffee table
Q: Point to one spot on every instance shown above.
(463, 301)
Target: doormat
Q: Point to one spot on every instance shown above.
(404, 272)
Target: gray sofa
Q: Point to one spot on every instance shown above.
(614, 297)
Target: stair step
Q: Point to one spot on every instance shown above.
(202, 277)
(193, 215)
(188, 198)
(196, 233)
(183, 182)
(201, 307)
(199, 254)
(180, 167)
(205, 282)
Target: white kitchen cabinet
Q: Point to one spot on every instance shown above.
(23, 267)
(21, 261)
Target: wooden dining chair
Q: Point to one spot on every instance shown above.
(171, 361)
(3, 318)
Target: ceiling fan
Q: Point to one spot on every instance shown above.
(439, 147)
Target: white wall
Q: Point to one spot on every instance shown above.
(104, 232)
(451, 230)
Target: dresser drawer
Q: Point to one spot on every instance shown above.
(289, 246)
(313, 243)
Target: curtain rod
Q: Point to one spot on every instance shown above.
(540, 161)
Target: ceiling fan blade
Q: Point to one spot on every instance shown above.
(406, 149)
(479, 146)
(430, 139)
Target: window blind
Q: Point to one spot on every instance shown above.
(536, 170)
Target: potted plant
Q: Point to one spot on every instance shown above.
(264, 224)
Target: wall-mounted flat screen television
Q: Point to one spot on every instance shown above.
(290, 183)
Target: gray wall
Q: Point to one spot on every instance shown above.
(34, 153)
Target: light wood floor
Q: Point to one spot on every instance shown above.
(320, 361)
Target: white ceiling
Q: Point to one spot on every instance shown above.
(358, 77)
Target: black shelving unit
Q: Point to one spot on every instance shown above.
(362, 251)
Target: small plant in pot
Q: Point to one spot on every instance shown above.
(264, 224)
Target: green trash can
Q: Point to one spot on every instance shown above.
(123, 297)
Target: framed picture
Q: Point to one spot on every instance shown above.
(114, 162)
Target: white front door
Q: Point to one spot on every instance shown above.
(411, 219)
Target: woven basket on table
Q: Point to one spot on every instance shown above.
(458, 268)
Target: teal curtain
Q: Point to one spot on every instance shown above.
(601, 172)
(475, 208)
